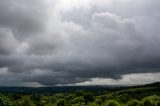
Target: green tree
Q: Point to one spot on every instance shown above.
(124, 98)
(147, 102)
(27, 102)
(5, 101)
(37, 99)
(88, 97)
(157, 103)
(112, 103)
(134, 103)
(79, 93)
(16, 97)
(77, 100)
(98, 101)
(61, 103)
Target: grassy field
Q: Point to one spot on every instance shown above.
(148, 95)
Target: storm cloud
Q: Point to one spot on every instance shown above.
(59, 42)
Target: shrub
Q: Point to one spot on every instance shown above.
(92, 104)
(109, 96)
(147, 102)
(103, 98)
(77, 105)
(61, 103)
(134, 103)
(155, 98)
(16, 97)
(106, 97)
(50, 104)
(37, 99)
(70, 96)
(77, 100)
(98, 101)
(88, 97)
(112, 103)
(124, 98)
(59, 95)
(4, 101)
(79, 93)
(157, 103)
(53, 99)
(27, 102)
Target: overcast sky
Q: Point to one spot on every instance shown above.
(79, 42)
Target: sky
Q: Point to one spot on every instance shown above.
(79, 42)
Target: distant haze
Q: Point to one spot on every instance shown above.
(79, 42)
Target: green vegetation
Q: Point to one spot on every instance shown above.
(131, 96)
(4, 101)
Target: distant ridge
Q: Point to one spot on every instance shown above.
(65, 89)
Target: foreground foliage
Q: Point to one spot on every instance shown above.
(142, 96)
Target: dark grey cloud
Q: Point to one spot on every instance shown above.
(64, 42)
(22, 17)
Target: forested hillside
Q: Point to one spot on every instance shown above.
(145, 95)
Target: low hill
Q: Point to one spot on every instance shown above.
(65, 89)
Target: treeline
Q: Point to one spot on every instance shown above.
(64, 89)
(144, 96)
